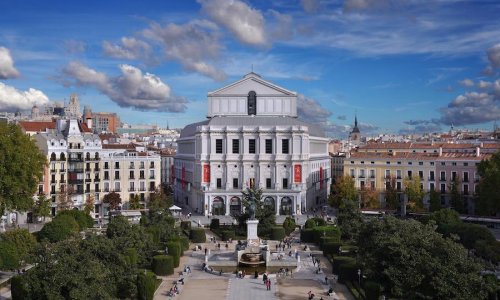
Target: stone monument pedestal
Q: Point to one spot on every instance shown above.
(252, 230)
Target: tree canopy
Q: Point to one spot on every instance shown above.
(488, 197)
(263, 213)
(343, 191)
(113, 199)
(21, 169)
(414, 192)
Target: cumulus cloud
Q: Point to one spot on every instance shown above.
(74, 46)
(12, 99)
(129, 48)
(484, 84)
(310, 6)
(7, 69)
(194, 45)
(244, 22)
(422, 128)
(494, 56)
(471, 108)
(133, 88)
(312, 112)
(466, 82)
(281, 27)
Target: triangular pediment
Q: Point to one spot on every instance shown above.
(252, 82)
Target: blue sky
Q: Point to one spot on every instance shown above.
(402, 65)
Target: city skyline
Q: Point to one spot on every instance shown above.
(402, 66)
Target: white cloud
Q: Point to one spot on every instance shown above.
(494, 56)
(74, 46)
(130, 89)
(244, 22)
(130, 48)
(7, 69)
(12, 99)
(484, 84)
(194, 45)
(281, 27)
(310, 6)
(466, 82)
(471, 108)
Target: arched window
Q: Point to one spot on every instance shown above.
(52, 156)
(235, 206)
(286, 206)
(269, 203)
(63, 157)
(218, 207)
(88, 156)
(252, 103)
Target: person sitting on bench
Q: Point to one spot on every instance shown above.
(330, 291)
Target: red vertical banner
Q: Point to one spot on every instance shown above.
(320, 177)
(206, 173)
(297, 173)
(172, 174)
(183, 174)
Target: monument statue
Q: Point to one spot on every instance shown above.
(251, 209)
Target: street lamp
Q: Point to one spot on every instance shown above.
(359, 276)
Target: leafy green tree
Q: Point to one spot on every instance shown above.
(9, 257)
(59, 229)
(412, 261)
(21, 168)
(457, 201)
(23, 241)
(349, 219)
(488, 197)
(159, 201)
(266, 216)
(112, 199)
(88, 207)
(369, 197)
(134, 202)
(42, 206)
(414, 192)
(391, 193)
(434, 201)
(83, 220)
(445, 217)
(343, 191)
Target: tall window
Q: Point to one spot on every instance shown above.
(268, 183)
(235, 183)
(285, 183)
(269, 146)
(236, 146)
(219, 183)
(285, 146)
(252, 103)
(218, 146)
(251, 146)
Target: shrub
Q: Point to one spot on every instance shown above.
(59, 229)
(313, 222)
(184, 241)
(325, 231)
(348, 271)
(83, 219)
(289, 225)
(9, 256)
(163, 265)
(306, 235)
(131, 256)
(185, 225)
(227, 234)
(340, 260)
(327, 239)
(277, 233)
(214, 224)
(331, 248)
(23, 240)
(146, 285)
(197, 235)
(17, 289)
(372, 290)
(174, 250)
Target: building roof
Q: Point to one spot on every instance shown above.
(130, 146)
(420, 156)
(190, 130)
(38, 126)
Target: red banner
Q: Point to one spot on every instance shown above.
(297, 173)
(183, 174)
(320, 177)
(206, 173)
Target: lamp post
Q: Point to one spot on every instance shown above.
(359, 276)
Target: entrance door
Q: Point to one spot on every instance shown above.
(286, 206)
(235, 206)
(218, 207)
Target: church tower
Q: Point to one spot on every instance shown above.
(355, 135)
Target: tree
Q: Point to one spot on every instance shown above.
(159, 201)
(343, 191)
(60, 228)
(369, 197)
(64, 201)
(349, 219)
(391, 193)
(488, 197)
(113, 199)
(412, 261)
(456, 200)
(434, 201)
(24, 242)
(414, 192)
(88, 207)
(21, 169)
(134, 202)
(266, 216)
(42, 206)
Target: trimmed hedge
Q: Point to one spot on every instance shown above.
(227, 234)
(174, 250)
(17, 289)
(289, 225)
(277, 233)
(314, 222)
(306, 235)
(184, 241)
(372, 290)
(214, 224)
(185, 225)
(131, 256)
(325, 231)
(327, 239)
(163, 265)
(146, 285)
(341, 260)
(197, 235)
(331, 248)
(348, 271)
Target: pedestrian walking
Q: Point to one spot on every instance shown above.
(268, 284)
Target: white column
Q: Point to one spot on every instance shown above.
(227, 204)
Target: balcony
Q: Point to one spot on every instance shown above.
(53, 170)
(131, 189)
(76, 170)
(131, 167)
(141, 177)
(97, 179)
(398, 177)
(97, 169)
(431, 179)
(131, 177)
(87, 190)
(106, 178)
(465, 179)
(117, 190)
(88, 180)
(75, 159)
(152, 177)
(62, 170)
(97, 190)
(62, 180)
(106, 167)
(75, 181)
(372, 176)
(106, 190)
(87, 170)
(53, 181)
(117, 177)
(141, 167)
(442, 179)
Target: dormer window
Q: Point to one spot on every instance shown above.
(252, 103)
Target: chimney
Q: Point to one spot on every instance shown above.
(478, 151)
(440, 151)
(89, 123)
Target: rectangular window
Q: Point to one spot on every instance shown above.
(269, 146)
(431, 186)
(251, 146)
(117, 165)
(252, 183)
(268, 183)
(285, 183)
(219, 183)
(431, 175)
(285, 146)
(453, 176)
(131, 175)
(236, 146)
(398, 174)
(106, 175)
(218, 146)
(443, 188)
(442, 177)
(466, 177)
(466, 189)
(387, 173)
(421, 175)
(235, 183)
(410, 173)
(117, 174)
(398, 186)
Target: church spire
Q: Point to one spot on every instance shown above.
(356, 120)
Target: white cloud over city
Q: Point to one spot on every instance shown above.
(7, 69)
(12, 99)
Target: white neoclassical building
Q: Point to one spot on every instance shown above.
(252, 138)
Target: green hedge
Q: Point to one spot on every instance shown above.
(214, 224)
(372, 290)
(340, 260)
(174, 250)
(331, 248)
(83, 219)
(325, 231)
(17, 289)
(289, 225)
(131, 256)
(277, 233)
(146, 285)
(185, 225)
(163, 265)
(327, 239)
(227, 234)
(184, 240)
(314, 222)
(197, 235)
(348, 271)
(306, 235)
